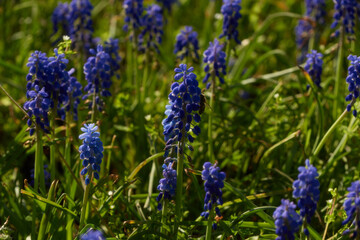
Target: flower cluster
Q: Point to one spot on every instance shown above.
(306, 189)
(353, 80)
(187, 43)
(98, 75)
(167, 185)
(152, 28)
(184, 104)
(111, 47)
(352, 208)
(303, 33)
(313, 66)
(345, 12)
(46, 175)
(216, 57)
(316, 9)
(167, 3)
(91, 151)
(214, 182)
(287, 221)
(60, 18)
(92, 234)
(133, 13)
(231, 11)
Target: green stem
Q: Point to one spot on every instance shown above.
(163, 216)
(45, 218)
(338, 79)
(53, 145)
(209, 224)
(93, 108)
(85, 202)
(210, 134)
(329, 132)
(67, 154)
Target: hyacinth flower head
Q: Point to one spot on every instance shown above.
(92, 234)
(97, 72)
(187, 43)
(167, 185)
(344, 15)
(111, 47)
(182, 110)
(91, 151)
(60, 18)
(133, 14)
(306, 189)
(353, 80)
(313, 66)
(46, 176)
(167, 3)
(81, 25)
(287, 221)
(316, 9)
(214, 58)
(231, 12)
(214, 182)
(352, 209)
(303, 32)
(152, 28)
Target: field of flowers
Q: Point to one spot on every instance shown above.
(179, 119)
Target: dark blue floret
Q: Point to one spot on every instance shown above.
(316, 10)
(184, 102)
(303, 32)
(133, 14)
(60, 17)
(92, 234)
(214, 182)
(47, 176)
(111, 47)
(231, 11)
(167, 185)
(306, 189)
(353, 80)
(313, 66)
(187, 43)
(214, 58)
(287, 221)
(152, 28)
(91, 151)
(167, 3)
(345, 12)
(352, 208)
(98, 75)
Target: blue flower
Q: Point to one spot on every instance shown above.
(133, 13)
(92, 234)
(353, 80)
(187, 43)
(152, 31)
(167, 185)
(91, 151)
(352, 208)
(345, 12)
(231, 11)
(167, 3)
(60, 17)
(81, 25)
(111, 47)
(73, 97)
(303, 32)
(316, 9)
(182, 111)
(214, 182)
(287, 221)
(214, 58)
(97, 74)
(313, 66)
(46, 175)
(306, 189)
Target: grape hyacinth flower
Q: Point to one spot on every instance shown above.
(344, 15)
(306, 189)
(46, 176)
(60, 17)
(92, 234)
(214, 182)
(182, 111)
(215, 57)
(316, 9)
(152, 31)
(187, 43)
(97, 74)
(353, 80)
(91, 151)
(352, 208)
(111, 47)
(303, 33)
(167, 185)
(133, 14)
(81, 25)
(167, 3)
(287, 221)
(231, 11)
(313, 66)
